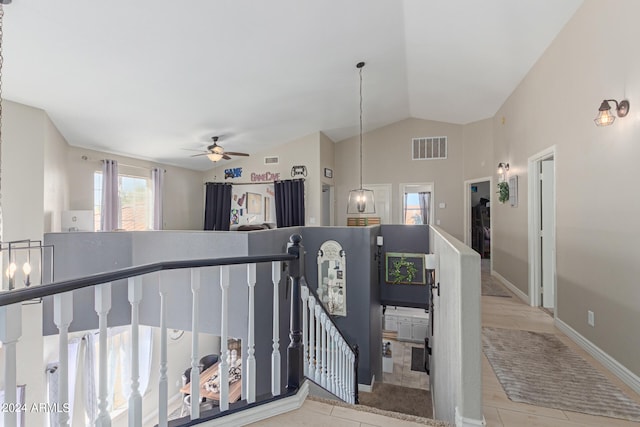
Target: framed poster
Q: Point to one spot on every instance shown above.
(254, 203)
(328, 173)
(513, 191)
(404, 268)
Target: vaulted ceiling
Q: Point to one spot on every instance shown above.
(152, 78)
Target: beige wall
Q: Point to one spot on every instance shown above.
(56, 185)
(477, 151)
(302, 151)
(387, 160)
(183, 191)
(597, 174)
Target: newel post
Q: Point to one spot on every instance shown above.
(294, 351)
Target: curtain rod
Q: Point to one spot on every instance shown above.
(123, 164)
(253, 183)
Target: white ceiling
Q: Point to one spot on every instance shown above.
(151, 78)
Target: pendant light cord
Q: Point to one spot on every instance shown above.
(360, 68)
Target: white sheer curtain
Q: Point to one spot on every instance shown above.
(157, 182)
(145, 336)
(53, 379)
(110, 200)
(90, 378)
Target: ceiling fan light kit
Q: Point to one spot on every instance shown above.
(216, 152)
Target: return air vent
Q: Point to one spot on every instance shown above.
(434, 147)
(271, 160)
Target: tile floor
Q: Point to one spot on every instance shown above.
(402, 374)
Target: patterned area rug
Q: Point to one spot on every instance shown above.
(539, 369)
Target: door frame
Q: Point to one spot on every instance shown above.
(332, 214)
(432, 205)
(466, 218)
(535, 261)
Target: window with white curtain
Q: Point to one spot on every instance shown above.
(136, 202)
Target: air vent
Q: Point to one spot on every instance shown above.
(430, 148)
(271, 160)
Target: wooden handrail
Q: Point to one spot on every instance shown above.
(25, 294)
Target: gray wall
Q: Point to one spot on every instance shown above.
(409, 239)
(363, 323)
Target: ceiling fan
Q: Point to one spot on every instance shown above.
(216, 152)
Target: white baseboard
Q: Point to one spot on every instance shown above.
(468, 422)
(262, 412)
(366, 387)
(628, 377)
(513, 288)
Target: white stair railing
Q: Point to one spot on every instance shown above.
(329, 360)
(62, 292)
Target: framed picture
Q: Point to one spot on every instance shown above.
(404, 268)
(328, 173)
(513, 191)
(254, 203)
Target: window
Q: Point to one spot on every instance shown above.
(136, 204)
(416, 203)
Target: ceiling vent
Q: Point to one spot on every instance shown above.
(434, 147)
(271, 160)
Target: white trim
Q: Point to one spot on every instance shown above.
(513, 288)
(426, 186)
(466, 217)
(533, 226)
(366, 387)
(468, 422)
(262, 412)
(615, 367)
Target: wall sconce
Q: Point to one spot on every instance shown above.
(605, 118)
(430, 264)
(503, 168)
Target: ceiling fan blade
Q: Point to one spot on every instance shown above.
(201, 154)
(233, 153)
(224, 156)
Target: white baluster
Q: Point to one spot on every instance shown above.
(223, 367)
(62, 317)
(330, 373)
(102, 306)
(312, 336)
(276, 270)
(352, 377)
(342, 370)
(345, 388)
(323, 364)
(135, 399)
(317, 312)
(163, 382)
(251, 347)
(339, 381)
(194, 381)
(10, 332)
(333, 359)
(304, 294)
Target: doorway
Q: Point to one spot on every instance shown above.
(542, 229)
(327, 205)
(477, 215)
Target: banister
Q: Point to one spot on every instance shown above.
(25, 294)
(315, 295)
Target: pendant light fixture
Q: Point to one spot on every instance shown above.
(361, 201)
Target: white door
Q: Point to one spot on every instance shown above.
(547, 233)
(382, 197)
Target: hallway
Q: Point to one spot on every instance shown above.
(498, 410)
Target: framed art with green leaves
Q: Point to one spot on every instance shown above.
(404, 268)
